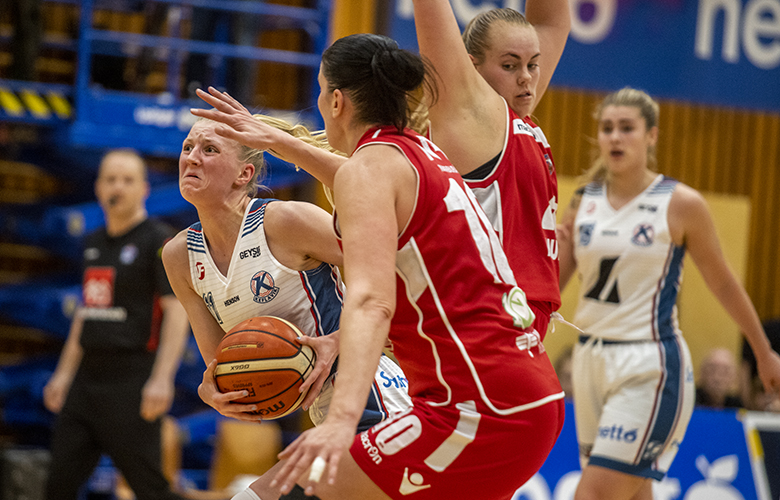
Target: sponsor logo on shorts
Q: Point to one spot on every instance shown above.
(396, 381)
(412, 483)
(372, 450)
(616, 433)
(653, 449)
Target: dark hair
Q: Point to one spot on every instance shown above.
(378, 76)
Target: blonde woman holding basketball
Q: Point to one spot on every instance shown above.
(250, 257)
(626, 232)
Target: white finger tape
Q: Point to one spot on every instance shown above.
(317, 468)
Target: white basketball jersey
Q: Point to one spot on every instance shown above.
(258, 285)
(629, 267)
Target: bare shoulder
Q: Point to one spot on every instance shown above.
(290, 215)
(686, 201)
(175, 249)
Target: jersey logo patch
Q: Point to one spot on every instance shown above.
(128, 254)
(586, 232)
(644, 234)
(412, 483)
(550, 166)
(262, 284)
(99, 286)
(201, 270)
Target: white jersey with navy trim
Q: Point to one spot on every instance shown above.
(630, 268)
(258, 285)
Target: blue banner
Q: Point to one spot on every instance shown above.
(716, 52)
(713, 462)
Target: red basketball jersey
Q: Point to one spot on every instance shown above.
(520, 197)
(461, 329)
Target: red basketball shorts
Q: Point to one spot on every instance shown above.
(428, 452)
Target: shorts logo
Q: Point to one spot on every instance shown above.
(412, 483)
(372, 450)
(263, 287)
(586, 232)
(653, 449)
(616, 433)
(643, 235)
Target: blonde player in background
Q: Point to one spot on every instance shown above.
(627, 231)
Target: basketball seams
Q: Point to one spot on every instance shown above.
(260, 356)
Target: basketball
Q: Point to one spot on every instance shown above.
(261, 356)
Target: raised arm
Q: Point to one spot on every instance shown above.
(464, 101)
(552, 21)
(241, 126)
(688, 214)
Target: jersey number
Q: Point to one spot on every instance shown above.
(491, 252)
(605, 270)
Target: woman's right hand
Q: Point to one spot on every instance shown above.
(225, 403)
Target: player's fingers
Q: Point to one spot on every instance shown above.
(314, 391)
(295, 465)
(216, 99)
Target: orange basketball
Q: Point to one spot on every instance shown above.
(261, 356)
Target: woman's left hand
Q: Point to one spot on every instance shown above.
(327, 349)
(320, 448)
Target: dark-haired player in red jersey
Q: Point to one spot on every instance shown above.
(425, 267)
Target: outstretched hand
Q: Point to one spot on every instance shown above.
(237, 122)
(225, 403)
(320, 448)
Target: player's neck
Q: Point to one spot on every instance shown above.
(221, 226)
(118, 225)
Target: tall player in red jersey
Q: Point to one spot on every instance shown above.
(423, 262)
(480, 118)
(491, 80)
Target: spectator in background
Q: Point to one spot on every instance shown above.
(717, 379)
(751, 389)
(115, 377)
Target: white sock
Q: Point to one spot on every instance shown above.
(247, 494)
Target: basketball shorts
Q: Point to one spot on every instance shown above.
(632, 403)
(389, 394)
(455, 452)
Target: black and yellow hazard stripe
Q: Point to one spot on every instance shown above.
(28, 103)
